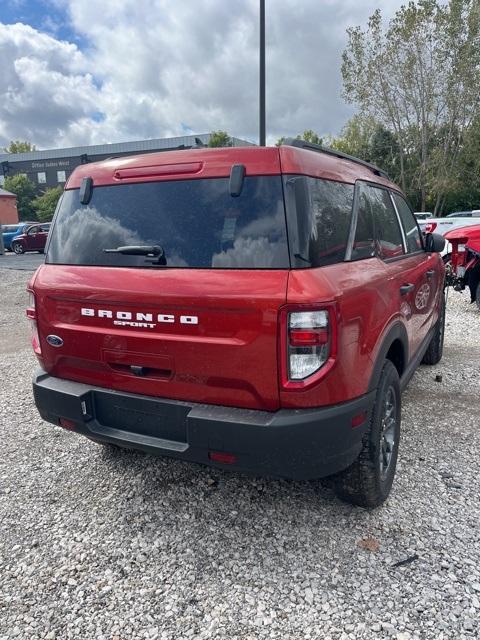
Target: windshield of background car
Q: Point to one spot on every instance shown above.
(196, 222)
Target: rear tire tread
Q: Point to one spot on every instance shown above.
(361, 484)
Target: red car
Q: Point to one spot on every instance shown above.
(257, 309)
(33, 239)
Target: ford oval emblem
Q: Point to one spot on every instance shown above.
(55, 341)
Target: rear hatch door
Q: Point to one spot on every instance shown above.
(197, 324)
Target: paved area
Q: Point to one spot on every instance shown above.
(24, 262)
(135, 547)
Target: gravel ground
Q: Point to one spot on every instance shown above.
(144, 547)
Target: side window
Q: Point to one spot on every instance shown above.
(410, 227)
(324, 220)
(389, 235)
(32, 231)
(364, 241)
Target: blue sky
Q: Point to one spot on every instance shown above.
(80, 72)
(44, 15)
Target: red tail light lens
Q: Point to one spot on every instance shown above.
(65, 423)
(430, 227)
(32, 316)
(307, 345)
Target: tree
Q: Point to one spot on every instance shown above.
(420, 79)
(367, 139)
(308, 135)
(219, 139)
(18, 146)
(46, 203)
(24, 189)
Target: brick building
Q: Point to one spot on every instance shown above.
(8, 207)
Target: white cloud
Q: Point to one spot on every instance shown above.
(151, 73)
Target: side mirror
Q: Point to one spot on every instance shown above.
(434, 243)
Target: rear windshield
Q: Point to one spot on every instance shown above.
(196, 222)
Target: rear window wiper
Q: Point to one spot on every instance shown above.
(142, 250)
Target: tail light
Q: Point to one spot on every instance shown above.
(308, 345)
(430, 227)
(32, 316)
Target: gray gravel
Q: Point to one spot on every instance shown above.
(144, 547)
(24, 262)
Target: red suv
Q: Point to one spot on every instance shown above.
(257, 309)
(33, 239)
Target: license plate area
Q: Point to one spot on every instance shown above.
(153, 418)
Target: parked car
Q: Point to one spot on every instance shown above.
(442, 226)
(234, 307)
(464, 269)
(464, 214)
(10, 231)
(34, 238)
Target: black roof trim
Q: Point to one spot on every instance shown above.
(311, 146)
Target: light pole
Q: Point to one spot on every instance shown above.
(262, 136)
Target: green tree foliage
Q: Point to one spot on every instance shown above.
(308, 135)
(419, 78)
(25, 192)
(219, 139)
(19, 146)
(367, 139)
(46, 203)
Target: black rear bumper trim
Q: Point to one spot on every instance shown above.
(293, 443)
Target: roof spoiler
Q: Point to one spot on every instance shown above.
(311, 146)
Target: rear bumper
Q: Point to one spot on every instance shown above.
(298, 444)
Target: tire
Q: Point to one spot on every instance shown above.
(477, 296)
(368, 481)
(434, 352)
(17, 247)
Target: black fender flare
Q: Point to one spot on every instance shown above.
(396, 332)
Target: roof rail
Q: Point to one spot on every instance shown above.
(311, 146)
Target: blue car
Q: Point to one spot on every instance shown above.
(9, 231)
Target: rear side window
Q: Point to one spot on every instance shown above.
(390, 241)
(319, 220)
(377, 231)
(196, 222)
(410, 227)
(364, 240)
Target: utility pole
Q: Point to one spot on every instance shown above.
(262, 136)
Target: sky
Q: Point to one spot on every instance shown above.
(80, 72)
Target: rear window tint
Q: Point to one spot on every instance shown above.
(196, 222)
(364, 241)
(320, 220)
(389, 235)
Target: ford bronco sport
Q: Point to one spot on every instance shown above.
(257, 309)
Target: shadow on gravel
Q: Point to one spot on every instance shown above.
(254, 510)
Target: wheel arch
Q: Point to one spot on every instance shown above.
(393, 347)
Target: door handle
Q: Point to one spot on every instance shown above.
(406, 288)
(430, 273)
